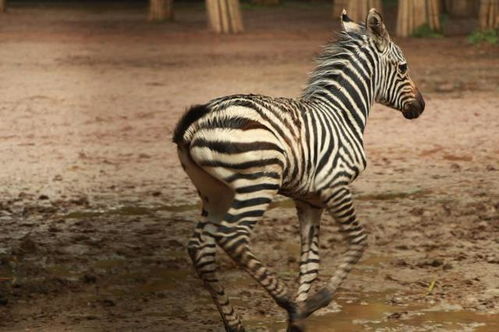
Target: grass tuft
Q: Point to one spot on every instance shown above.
(424, 31)
(486, 36)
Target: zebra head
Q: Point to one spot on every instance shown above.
(394, 87)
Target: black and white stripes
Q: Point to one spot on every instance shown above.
(242, 150)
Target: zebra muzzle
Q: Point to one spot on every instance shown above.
(414, 108)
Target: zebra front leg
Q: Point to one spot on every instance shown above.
(202, 250)
(339, 203)
(309, 218)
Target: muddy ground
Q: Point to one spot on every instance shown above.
(95, 211)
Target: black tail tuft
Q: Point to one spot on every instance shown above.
(192, 115)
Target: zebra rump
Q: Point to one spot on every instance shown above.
(190, 116)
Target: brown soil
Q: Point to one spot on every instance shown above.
(95, 211)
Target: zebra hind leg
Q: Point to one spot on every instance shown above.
(253, 179)
(202, 250)
(249, 205)
(202, 247)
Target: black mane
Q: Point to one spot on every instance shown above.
(335, 56)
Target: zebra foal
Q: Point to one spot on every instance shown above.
(242, 150)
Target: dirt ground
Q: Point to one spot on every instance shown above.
(95, 212)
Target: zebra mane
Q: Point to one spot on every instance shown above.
(334, 57)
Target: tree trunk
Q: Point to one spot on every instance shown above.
(356, 9)
(224, 16)
(266, 2)
(461, 8)
(160, 10)
(489, 14)
(3, 6)
(414, 13)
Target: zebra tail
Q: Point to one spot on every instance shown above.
(190, 116)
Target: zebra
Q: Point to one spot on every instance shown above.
(241, 150)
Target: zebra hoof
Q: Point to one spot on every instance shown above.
(319, 300)
(296, 326)
(235, 329)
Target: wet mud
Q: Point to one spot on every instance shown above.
(95, 211)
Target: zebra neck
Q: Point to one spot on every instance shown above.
(344, 86)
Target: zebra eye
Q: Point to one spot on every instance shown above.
(403, 68)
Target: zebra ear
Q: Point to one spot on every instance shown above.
(348, 24)
(377, 30)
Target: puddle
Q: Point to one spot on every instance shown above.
(283, 204)
(370, 265)
(64, 272)
(138, 281)
(107, 264)
(180, 208)
(154, 279)
(131, 210)
(147, 281)
(163, 279)
(385, 196)
(83, 214)
(351, 312)
(373, 313)
(458, 320)
(136, 210)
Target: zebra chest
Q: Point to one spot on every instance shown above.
(345, 165)
(353, 162)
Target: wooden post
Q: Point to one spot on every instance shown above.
(414, 13)
(461, 8)
(433, 15)
(489, 14)
(266, 2)
(160, 10)
(356, 9)
(224, 16)
(3, 6)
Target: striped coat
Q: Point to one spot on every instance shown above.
(242, 150)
